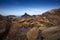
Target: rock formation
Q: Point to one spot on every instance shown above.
(25, 16)
(27, 27)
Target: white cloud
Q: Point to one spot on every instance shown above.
(34, 11)
(21, 11)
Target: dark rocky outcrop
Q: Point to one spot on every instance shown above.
(25, 16)
(5, 24)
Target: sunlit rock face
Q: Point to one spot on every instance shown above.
(33, 33)
(55, 11)
(53, 16)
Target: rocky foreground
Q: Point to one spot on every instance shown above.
(36, 27)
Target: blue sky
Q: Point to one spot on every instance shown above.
(32, 7)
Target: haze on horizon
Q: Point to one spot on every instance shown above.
(32, 7)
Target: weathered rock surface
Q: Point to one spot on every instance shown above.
(27, 27)
(52, 33)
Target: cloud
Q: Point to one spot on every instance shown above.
(21, 11)
(34, 11)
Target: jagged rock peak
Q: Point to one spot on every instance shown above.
(26, 15)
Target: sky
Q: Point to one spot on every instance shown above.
(32, 7)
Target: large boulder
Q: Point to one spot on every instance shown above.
(33, 33)
(52, 33)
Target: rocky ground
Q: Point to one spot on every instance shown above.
(36, 27)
